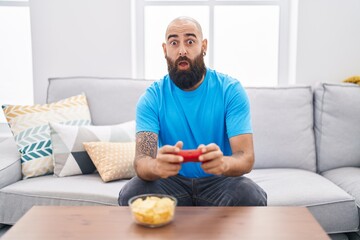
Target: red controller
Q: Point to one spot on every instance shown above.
(190, 155)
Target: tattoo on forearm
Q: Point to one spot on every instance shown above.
(146, 144)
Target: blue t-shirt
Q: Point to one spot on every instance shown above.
(214, 112)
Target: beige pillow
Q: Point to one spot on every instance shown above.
(113, 160)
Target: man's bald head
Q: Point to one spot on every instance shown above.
(177, 22)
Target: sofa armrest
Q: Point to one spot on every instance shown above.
(10, 166)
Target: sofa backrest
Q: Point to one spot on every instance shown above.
(337, 125)
(282, 119)
(111, 100)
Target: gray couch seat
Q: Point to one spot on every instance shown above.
(81, 190)
(347, 178)
(304, 188)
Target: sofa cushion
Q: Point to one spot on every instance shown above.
(348, 178)
(334, 209)
(116, 106)
(282, 119)
(80, 190)
(337, 128)
(29, 125)
(70, 157)
(113, 160)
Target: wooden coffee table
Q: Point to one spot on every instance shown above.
(105, 222)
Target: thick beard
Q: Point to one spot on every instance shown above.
(186, 79)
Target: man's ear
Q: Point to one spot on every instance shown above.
(164, 48)
(204, 45)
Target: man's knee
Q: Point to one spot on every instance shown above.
(134, 187)
(250, 194)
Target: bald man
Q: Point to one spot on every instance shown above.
(194, 107)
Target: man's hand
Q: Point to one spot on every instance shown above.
(151, 164)
(240, 162)
(212, 159)
(167, 163)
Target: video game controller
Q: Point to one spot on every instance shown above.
(190, 155)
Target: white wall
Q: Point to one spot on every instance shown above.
(93, 37)
(81, 37)
(328, 41)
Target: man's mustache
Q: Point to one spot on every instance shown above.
(182, 58)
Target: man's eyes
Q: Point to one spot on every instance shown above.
(189, 42)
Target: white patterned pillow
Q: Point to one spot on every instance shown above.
(29, 125)
(70, 157)
(113, 160)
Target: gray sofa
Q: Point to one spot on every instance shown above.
(307, 150)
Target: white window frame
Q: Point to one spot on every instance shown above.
(287, 22)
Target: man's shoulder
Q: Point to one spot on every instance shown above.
(155, 93)
(224, 79)
(159, 84)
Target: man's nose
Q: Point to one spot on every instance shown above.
(182, 50)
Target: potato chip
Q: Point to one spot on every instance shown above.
(153, 210)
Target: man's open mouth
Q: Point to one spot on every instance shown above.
(183, 64)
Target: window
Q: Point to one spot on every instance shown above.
(246, 39)
(247, 47)
(16, 85)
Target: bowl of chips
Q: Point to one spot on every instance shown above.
(153, 210)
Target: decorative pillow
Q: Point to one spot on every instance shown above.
(353, 79)
(112, 160)
(29, 125)
(70, 157)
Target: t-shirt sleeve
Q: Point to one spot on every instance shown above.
(147, 112)
(238, 117)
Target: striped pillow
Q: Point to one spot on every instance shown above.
(29, 125)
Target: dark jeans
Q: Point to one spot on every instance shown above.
(209, 191)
